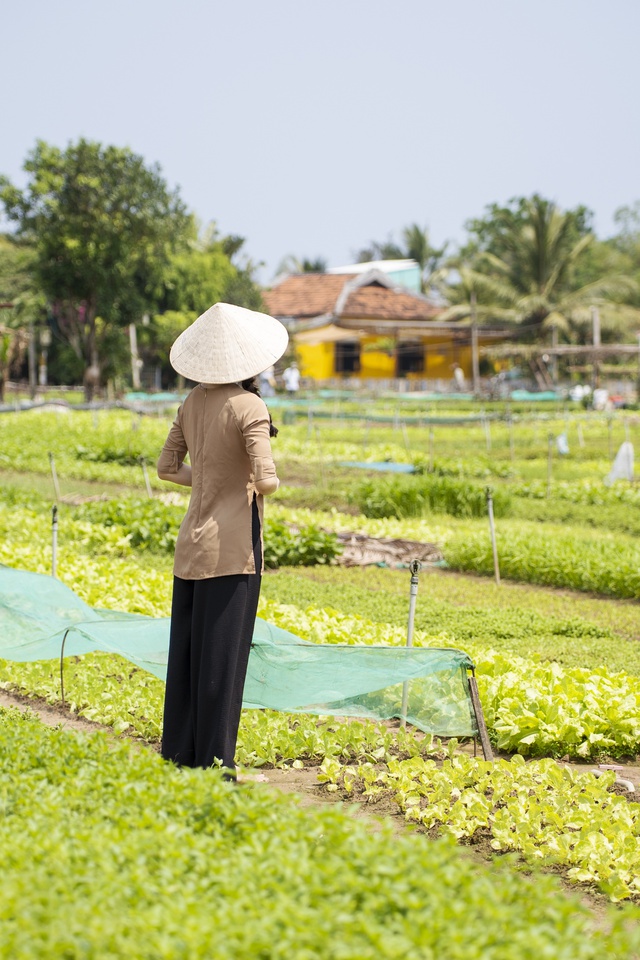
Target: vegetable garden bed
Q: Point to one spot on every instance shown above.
(555, 682)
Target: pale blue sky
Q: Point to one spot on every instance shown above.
(313, 127)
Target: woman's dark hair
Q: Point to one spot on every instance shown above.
(252, 386)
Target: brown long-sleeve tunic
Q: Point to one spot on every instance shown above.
(225, 431)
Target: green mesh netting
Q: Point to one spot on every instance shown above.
(285, 672)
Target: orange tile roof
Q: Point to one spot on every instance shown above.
(305, 295)
(308, 295)
(380, 303)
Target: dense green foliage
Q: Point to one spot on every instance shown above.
(109, 242)
(119, 525)
(417, 497)
(110, 852)
(597, 561)
(549, 814)
(532, 707)
(103, 226)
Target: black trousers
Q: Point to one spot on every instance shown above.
(212, 624)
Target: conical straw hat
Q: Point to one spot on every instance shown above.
(228, 343)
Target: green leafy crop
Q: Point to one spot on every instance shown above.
(111, 852)
(549, 814)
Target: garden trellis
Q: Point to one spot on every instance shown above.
(42, 619)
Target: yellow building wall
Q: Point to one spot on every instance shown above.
(464, 360)
(441, 354)
(438, 362)
(375, 363)
(316, 360)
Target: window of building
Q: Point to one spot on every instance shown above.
(347, 356)
(410, 357)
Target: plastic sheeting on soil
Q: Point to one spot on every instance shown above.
(285, 673)
(622, 468)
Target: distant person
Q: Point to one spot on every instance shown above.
(291, 379)
(458, 376)
(267, 383)
(601, 399)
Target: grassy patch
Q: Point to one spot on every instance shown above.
(574, 631)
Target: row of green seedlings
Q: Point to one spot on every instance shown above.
(126, 525)
(532, 707)
(111, 851)
(517, 436)
(546, 813)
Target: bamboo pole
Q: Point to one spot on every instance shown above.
(477, 709)
(487, 432)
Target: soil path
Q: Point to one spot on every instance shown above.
(303, 782)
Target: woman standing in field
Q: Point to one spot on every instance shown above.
(225, 429)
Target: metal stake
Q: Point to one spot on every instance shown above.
(487, 433)
(405, 436)
(413, 593)
(54, 476)
(549, 462)
(54, 541)
(431, 445)
(323, 477)
(145, 474)
(64, 639)
(492, 528)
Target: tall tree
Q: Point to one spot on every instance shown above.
(21, 304)
(626, 243)
(197, 276)
(103, 227)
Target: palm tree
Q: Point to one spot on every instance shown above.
(415, 246)
(531, 283)
(292, 264)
